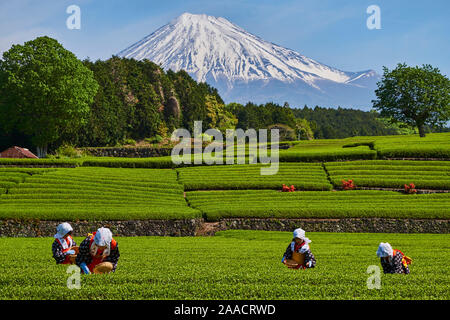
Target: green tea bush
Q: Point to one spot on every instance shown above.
(232, 265)
(10, 177)
(434, 145)
(39, 162)
(319, 204)
(302, 176)
(157, 162)
(96, 194)
(392, 173)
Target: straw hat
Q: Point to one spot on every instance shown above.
(104, 267)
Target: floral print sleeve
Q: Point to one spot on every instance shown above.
(310, 260)
(395, 265)
(113, 257)
(287, 254)
(83, 254)
(58, 253)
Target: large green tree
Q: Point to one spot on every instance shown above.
(44, 91)
(416, 96)
(304, 130)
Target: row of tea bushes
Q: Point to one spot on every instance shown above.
(319, 204)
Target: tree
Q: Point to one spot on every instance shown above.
(418, 96)
(304, 129)
(399, 127)
(44, 91)
(286, 133)
(218, 116)
(192, 97)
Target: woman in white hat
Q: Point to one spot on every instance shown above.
(298, 254)
(99, 253)
(64, 248)
(392, 260)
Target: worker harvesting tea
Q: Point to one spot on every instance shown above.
(99, 253)
(64, 247)
(392, 260)
(298, 254)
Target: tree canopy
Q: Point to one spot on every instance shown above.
(330, 123)
(416, 96)
(44, 91)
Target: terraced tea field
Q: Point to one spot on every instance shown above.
(232, 265)
(93, 194)
(319, 204)
(225, 191)
(304, 176)
(391, 174)
(326, 150)
(9, 178)
(434, 145)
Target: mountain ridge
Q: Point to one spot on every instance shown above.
(245, 67)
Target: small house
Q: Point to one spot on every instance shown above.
(17, 152)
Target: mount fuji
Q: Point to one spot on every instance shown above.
(244, 67)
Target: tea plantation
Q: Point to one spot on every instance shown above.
(214, 192)
(93, 194)
(232, 265)
(236, 264)
(319, 204)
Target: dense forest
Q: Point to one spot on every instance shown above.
(138, 100)
(328, 123)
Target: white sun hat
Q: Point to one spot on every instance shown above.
(385, 250)
(300, 233)
(103, 237)
(63, 229)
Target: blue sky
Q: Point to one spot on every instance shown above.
(330, 31)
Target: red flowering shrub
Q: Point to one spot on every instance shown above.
(411, 188)
(288, 189)
(348, 185)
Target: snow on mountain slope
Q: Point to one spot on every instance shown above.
(216, 51)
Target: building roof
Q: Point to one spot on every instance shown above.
(17, 152)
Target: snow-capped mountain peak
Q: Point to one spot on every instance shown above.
(215, 50)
